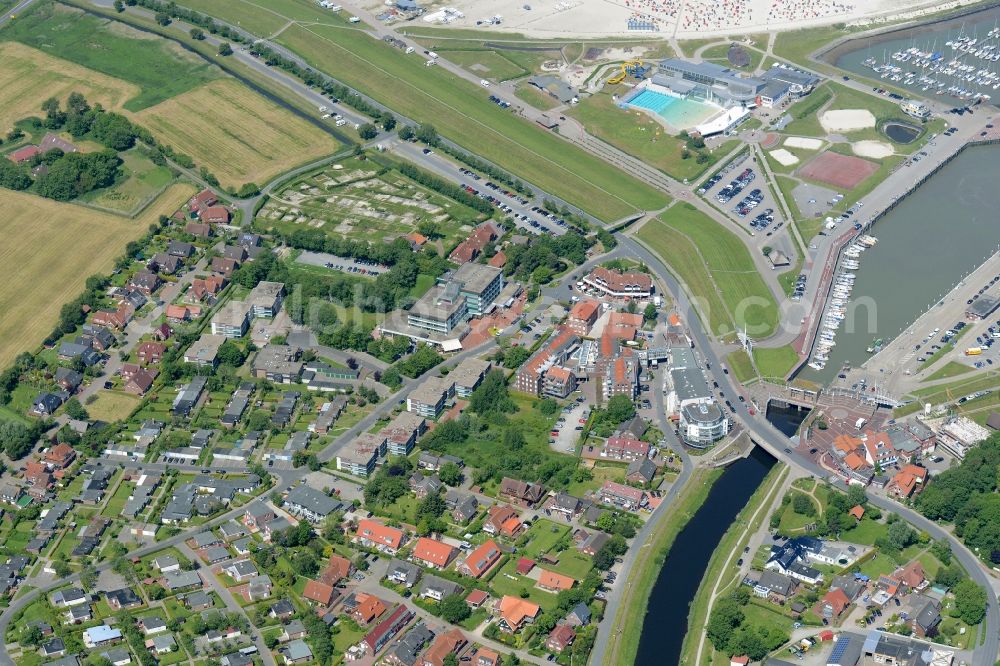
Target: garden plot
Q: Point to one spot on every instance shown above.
(361, 201)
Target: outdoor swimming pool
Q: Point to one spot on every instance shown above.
(677, 112)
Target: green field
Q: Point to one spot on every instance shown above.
(461, 111)
(773, 363)
(531, 95)
(141, 181)
(113, 49)
(487, 64)
(637, 134)
(717, 268)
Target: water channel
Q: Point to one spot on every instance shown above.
(666, 618)
(926, 245)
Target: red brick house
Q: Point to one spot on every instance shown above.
(151, 352)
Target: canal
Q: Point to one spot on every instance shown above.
(926, 245)
(685, 566)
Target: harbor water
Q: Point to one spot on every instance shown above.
(931, 40)
(926, 245)
(667, 615)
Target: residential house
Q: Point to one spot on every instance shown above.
(402, 432)
(429, 398)
(433, 554)
(101, 635)
(775, 586)
(318, 592)
(623, 446)
(521, 493)
(499, 515)
(387, 629)
(306, 502)
(373, 534)
(432, 587)
(473, 246)
(467, 376)
(907, 481)
(619, 284)
(514, 613)
(368, 609)
(583, 316)
(641, 471)
(403, 573)
(463, 506)
(479, 561)
(625, 497)
(560, 638)
(337, 569)
(123, 598)
(182, 313)
(296, 652)
(923, 614)
(145, 282)
(68, 380)
(551, 581)
(579, 616)
(452, 641)
(833, 604)
(140, 380)
(232, 320)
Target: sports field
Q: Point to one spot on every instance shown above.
(244, 138)
(717, 269)
(29, 77)
(49, 251)
(159, 69)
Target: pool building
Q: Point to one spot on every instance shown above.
(702, 96)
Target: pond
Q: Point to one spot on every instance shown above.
(901, 132)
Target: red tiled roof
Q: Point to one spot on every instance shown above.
(321, 593)
(379, 533)
(482, 558)
(515, 611)
(24, 154)
(555, 581)
(433, 552)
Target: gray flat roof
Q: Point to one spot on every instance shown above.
(690, 384)
(476, 278)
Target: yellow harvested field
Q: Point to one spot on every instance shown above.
(49, 251)
(28, 77)
(237, 134)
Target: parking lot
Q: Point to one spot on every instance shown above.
(347, 265)
(745, 198)
(566, 432)
(533, 219)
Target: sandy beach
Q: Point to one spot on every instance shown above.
(683, 19)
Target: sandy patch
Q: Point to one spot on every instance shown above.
(783, 157)
(876, 149)
(847, 120)
(803, 142)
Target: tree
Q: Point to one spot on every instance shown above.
(197, 34)
(515, 357)
(491, 397)
(119, 6)
(725, 618)
(450, 659)
(16, 439)
(388, 121)
(649, 313)
(970, 602)
(75, 410)
(230, 354)
(163, 18)
(32, 636)
(803, 505)
(390, 377)
(427, 134)
(406, 133)
(454, 609)
(620, 409)
(949, 576)
(225, 49)
(432, 506)
(88, 576)
(548, 407)
(450, 474)
(367, 131)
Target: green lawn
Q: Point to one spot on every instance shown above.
(507, 581)
(141, 181)
(542, 536)
(641, 136)
(487, 64)
(950, 369)
(865, 532)
(775, 362)
(572, 563)
(535, 97)
(160, 71)
(717, 268)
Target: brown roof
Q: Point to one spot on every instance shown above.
(554, 581)
(319, 592)
(837, 600)
(337, 569)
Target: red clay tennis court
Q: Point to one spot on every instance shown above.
(842, 171)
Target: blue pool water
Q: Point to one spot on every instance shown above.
(680, 113)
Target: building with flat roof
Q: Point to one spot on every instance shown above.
(480, 285)
(278, 363)
(688, 386)
(982, 307)
(232, 320)
(703, 423)
(265, 299)
(205, 351)
(468, 374)
(441, 309)
(429, 398)
(360, 456)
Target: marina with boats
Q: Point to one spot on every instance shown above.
(835, 311)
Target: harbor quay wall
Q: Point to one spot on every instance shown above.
(866, 228)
